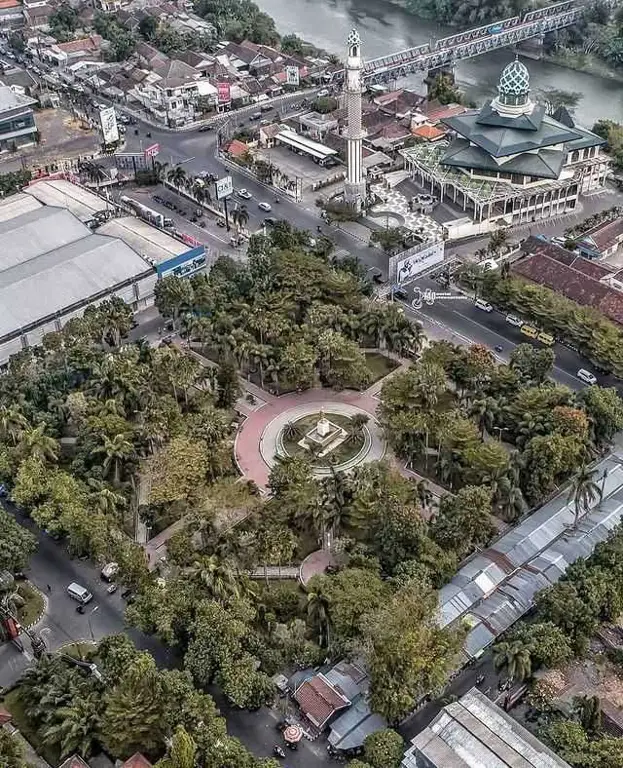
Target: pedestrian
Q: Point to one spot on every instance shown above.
(49, 587)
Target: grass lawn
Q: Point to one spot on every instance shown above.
(339, 455)
(13, 704)
(34, 604)
(379, 365)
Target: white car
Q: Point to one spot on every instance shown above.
(514, 320)
(244, 194)
(264, 207)
(586, 376)
(484, 305)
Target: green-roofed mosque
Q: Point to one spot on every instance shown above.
(510, 162)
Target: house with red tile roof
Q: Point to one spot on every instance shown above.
(319, 700)
(601, 241)
(428, 132)
(587, 283)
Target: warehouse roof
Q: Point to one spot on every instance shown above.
(63, 194)
(497, 586)
(50, 261)
(474, 732)
(151, 243)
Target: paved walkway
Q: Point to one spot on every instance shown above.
(256, 442)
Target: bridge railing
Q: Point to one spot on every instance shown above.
(474, 34)
(397, 58)
(549, 10)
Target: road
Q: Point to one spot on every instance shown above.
(52, 565)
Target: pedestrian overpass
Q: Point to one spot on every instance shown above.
(446, 52)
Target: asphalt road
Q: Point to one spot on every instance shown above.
(52, 565)
(472, 325)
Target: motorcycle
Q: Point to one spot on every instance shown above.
(277, 200)
(278, 752)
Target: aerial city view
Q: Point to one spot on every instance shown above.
(311, 383)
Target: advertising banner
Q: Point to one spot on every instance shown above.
(409, 264)
(292, 75)
(224, 187)
(224, 93)
(185, 264)
(108, 121)
(152, 151)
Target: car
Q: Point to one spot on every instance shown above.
(205, 128)
(269, 221)
(586, 376)
(264, 207)
(109, 571)
(401, 294)
(245, 194)
(220, 223)
(256, 116)
(322, 93)
(514, 320)
(376, 275)
(484, 305)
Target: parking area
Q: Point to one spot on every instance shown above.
(293, 166)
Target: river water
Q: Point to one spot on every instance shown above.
(386, 28)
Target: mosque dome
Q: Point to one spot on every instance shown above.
(513, 89)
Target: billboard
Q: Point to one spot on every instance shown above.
(184, 265)
(224, 93)
(409, 264)
(224, 187)
(152, 151)
(108, 121)
(292, 75)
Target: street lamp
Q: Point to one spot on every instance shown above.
(89, 622)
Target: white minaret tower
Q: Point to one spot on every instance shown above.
(355, 186)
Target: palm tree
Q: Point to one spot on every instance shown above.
(12, 424)
(160, 170)
(177, 177)
(584, 490)
(242, 217)
(485, 411)
(291, 431)
(115, 452)
(515, 656)
(318, 613)
(34, 442)
(75, 726)
(358, 423)
(217, 575)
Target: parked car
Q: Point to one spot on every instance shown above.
(484, 305)
(269, 221)
(265, 207)
(514, 320)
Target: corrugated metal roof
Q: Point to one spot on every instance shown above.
(539, 550)
(351, 728)
(475, 733)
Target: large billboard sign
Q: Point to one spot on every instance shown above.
(407, 265)
(224, 187)
(108, 121)
(152, 150)
(184, 265)
(292, 75)
(224, 93)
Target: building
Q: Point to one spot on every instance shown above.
(17, 119)
(496, 587)
(473, 732)
(588, 283)
(11, 14)
(510, 162)
(63, 55)
(53, 265)
(338, 699)
(601, 241)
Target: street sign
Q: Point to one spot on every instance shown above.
(152, 150)
(224, 187)
(292, 75)
(108, 121)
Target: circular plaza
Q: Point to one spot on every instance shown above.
(335, 431)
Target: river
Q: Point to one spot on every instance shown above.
(385, 28)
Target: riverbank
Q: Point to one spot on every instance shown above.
(584, 62)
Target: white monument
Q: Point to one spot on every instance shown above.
(354, 186)
(324, 437)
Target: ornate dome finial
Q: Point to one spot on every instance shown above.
(513, 90)
(353, 38)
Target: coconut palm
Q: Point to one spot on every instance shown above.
(12, 424)
(515, 656)
(116, 451)
(217, 575)
(357, 427)
(291, 431)
(584, 490)
(242, 217)
(34, 442)
(177, 177)
(318, 613)
(74, 727)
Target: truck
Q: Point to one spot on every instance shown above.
(147, 214)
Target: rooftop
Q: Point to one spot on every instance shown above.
(497, 586)
(571, 275)
(473, 733)
(152, 244)
(602, 237)
(319, 700)
(10, 100)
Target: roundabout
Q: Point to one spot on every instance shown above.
(336, 431)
